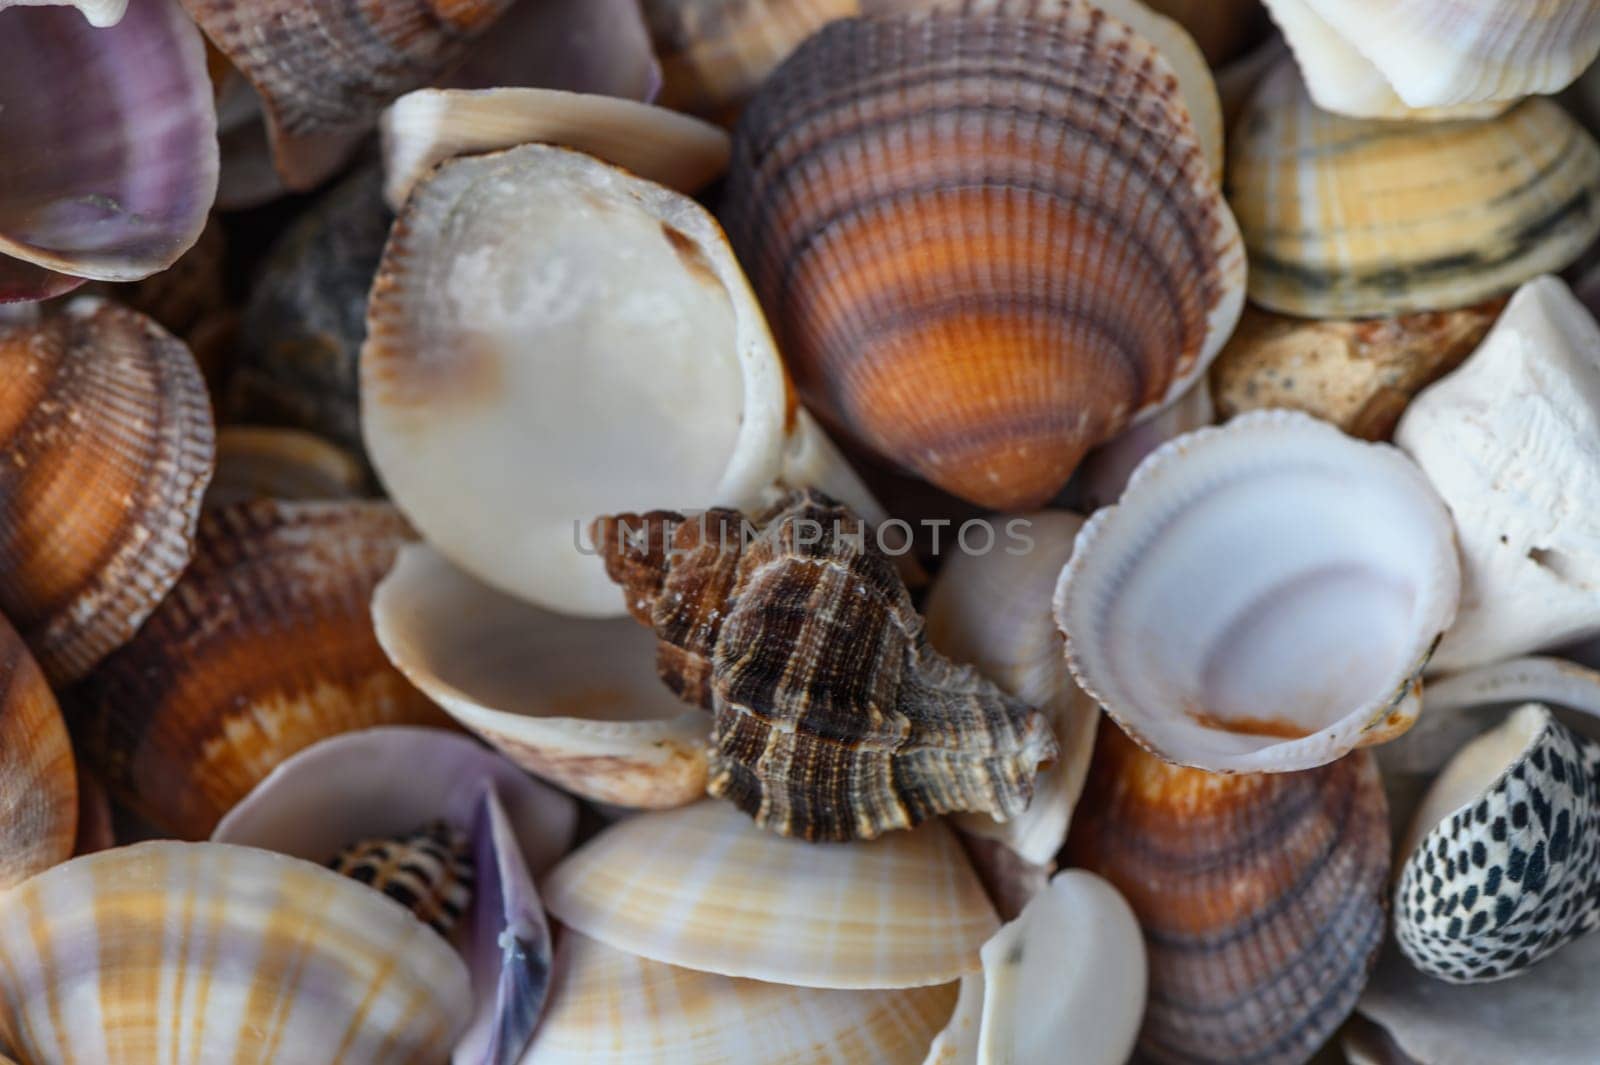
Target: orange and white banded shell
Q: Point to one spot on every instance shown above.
(38, 779)
(106, 446)
(986, 236)
(264, 647)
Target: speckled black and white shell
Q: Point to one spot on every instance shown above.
(1511, 877)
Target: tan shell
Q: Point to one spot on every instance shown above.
(255, 463)
(1262, 897)
(1349, 218)
(263, 648)
(106, 446)
(38, 780)
(835, 718)
(1108, 274)
(1357, 374)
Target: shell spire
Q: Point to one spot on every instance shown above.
(835, 718)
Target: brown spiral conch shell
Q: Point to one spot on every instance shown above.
(106, 446)
(986, 237)
(1262, 897)
(38, 780)
(835, 718)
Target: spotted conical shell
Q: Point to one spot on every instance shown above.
(835, 718)
(986, 237)
(1261, 896)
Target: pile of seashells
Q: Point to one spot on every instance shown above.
(448, 453)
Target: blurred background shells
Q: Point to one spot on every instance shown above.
(1346, 217)
(265, 646)
(106, 432)
(288, 464)
(1262, 896)
(38, 778)
(854, 194)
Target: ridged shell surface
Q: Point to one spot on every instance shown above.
(1348, 217)
(197, 953)
(263, 648)
(1261, 897)
(106, 446)
(986, 239)
(38, 779)
(704, 889)
(611, 1008)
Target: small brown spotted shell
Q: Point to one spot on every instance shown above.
(835, 718)
(429, 871)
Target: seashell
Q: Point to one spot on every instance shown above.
(957, 1043)
(895, 291)
(519, 292)
(590, 46)
(1299, 580)
(428, 871)
(703, 889)
(1349, 218)
(426, 127)
(96, 12)
(835, 718)
(1104, 475)
(1507, 872)
(264, 647)
(179, 297)
(992, 611)
(1010, 879)
(324, 71)
(198, 951)
(715, 53)
(1236, 82)
(1261, 896)
(1069, 972)
(107, 443)
(1509, 441)
(346, 789)
(302, 331)
(38, 781)
(573, 700)
(112, 179)
(285, 464)
(605, 1008)
(1381, 58)
(1223, 29)
(1357, 374)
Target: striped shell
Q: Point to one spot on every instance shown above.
(38, 780)
(106, 445)
(1351, 218)
(1510, 870)
(1108, 271)
(835, 718)
(325, 70)
(1261, 897)
(428, 871)
(703, 889)
(264, 647)
(199, 952)
(611, 1008)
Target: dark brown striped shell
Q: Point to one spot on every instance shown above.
(429, 872)
(38, 781)
(835, 718)
(1262, 897)
(106, 445)
(986, 237)
(264, 647)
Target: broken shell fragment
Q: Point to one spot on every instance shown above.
(869, 159)
(835, 718)
(1348, 218)
(38, 779)
(540, 303)
(1261, 897)
(604, 1011)
(264, 647)
(112, 176)
(284, 464)
(426, 127)
(280, 957)
(1357, 374)
(573, 700)
(1509, 441)
(1510, 869)
(1297, 579)
(704, 889)
(107, 446)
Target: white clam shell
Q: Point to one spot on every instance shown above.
(551, 339)
(1511, 440)
(1264, 597)
(574, 700)
(704, 888)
